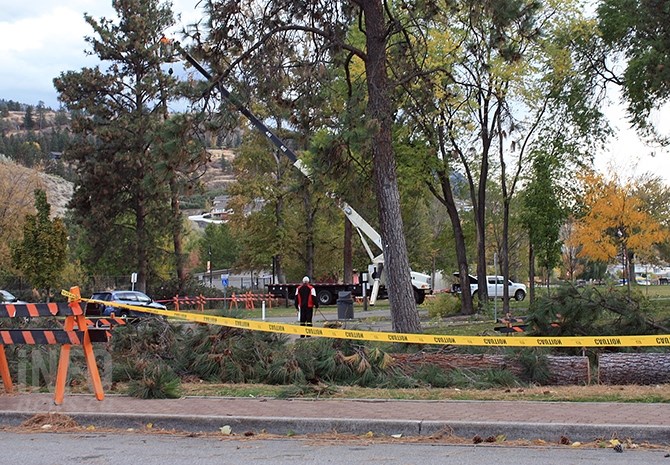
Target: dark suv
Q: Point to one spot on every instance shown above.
(135, 298)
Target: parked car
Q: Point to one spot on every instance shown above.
(494, 286)
(7, 297)
(135, 298)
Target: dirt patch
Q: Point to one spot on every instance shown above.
(49, 422)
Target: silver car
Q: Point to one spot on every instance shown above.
(7, 297)
(134, 298)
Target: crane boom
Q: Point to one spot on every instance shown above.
(356, 219)
(420, 282)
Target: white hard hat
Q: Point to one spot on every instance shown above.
(305, 279)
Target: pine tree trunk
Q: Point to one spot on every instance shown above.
(504, 252)
(459, 240)
(142, 252)
(404, 315)
(177, 233)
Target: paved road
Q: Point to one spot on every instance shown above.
(130, 449)
(549, 421)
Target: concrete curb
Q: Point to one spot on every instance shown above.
(550, 432)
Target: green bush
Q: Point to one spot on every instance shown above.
(496, 378)
(150, 355)
(191, 287)
(158, 381)
(433, 375)
(443, 305)
(534, 363)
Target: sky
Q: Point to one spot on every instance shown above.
(40, 39)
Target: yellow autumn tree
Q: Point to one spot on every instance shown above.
(16, 201)
(616, 223)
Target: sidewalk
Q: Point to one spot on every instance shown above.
(548, 421)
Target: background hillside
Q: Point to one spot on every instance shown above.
(59, 190)
(34, 138)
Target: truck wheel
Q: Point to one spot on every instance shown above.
(519, 295)
(324, 297)
(419, 296)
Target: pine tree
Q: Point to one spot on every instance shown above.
(41, 255)
(121, 196)
(28, 120)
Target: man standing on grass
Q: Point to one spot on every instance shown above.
(305, 302)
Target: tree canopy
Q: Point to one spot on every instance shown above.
(41, 255)
(636, 33)
(121, 195)
(463, 115)
(309, 37)
(616, 223)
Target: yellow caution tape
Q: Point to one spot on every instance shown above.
(500, 341)
(70, 296)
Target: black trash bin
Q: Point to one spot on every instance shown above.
(345, 306)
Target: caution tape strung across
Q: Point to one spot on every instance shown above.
(438, 339)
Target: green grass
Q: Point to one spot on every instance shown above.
(280, 310)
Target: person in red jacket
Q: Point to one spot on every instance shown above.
(305, 302)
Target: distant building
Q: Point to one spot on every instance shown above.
(644, 274)
(219, 213)
(243, 280)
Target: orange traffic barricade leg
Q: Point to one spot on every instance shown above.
(63, 364)
(4, 371)
(90, 361)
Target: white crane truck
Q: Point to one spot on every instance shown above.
(326, 292)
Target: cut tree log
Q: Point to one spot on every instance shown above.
(626, 368)
(563, 370)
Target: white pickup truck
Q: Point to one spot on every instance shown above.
(517, 291)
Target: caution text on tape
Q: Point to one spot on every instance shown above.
(379, 336)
